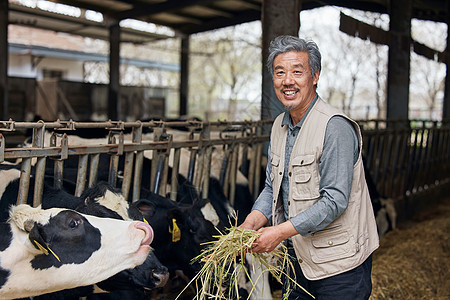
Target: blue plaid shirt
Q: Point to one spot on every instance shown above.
(340, 153)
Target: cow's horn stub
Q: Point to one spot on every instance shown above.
(28, 225)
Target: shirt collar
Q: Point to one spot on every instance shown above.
(287, 116)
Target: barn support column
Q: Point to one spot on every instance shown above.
(184, 76)
(279, 17)
(114, 71)
(399, 60)
(446, 105)
(4, 59)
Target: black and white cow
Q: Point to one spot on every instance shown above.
(42, 251)
(180, 230)
(102, 200)
(149, 275)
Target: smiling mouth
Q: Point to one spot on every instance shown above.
(290, 93)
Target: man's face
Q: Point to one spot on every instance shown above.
(292, 80)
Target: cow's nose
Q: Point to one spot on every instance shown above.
(161, 277)
(148, 232)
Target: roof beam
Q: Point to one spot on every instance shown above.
(86, 5)
(217, 23)
(152, 9)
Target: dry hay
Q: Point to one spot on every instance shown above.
(223, 265)
(413, 261)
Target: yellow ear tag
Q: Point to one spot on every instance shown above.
(176, 233)
(41, 248)
(145, 221)
(46, 251)
(54, 254)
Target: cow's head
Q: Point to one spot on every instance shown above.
(180, 231)
(57, 249)
(104, 201)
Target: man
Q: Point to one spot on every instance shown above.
(315, 191)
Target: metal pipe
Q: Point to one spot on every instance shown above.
(174, 179)
(38, 142)
(127, 173)
(93, 169)
(81, 175)
(157, 179)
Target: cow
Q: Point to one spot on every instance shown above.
(181, 230)
(45, 250)
(151, 274)
(102, 200)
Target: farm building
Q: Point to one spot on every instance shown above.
(87, 100)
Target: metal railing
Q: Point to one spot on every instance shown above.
(127, 140)
(402, 157)
(406, 157)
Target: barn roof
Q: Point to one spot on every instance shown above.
(186, 16)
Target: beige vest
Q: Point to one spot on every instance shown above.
(352, 237)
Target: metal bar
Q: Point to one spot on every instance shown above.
(412, 158)
(127, 173)
(2, 148)
(138, 175)
(157, 178)
(157, 136)
(113, 170)
(259, 153)
(139, 161)
(165, 174)
(192, 161)
(233, 173)
(207, 173)
(199, 168)
(174, 179)
(224, 167)
(58, 174)
(386, 161)
(251, 170)
(81, 175)
(25, 171)
(38, 141)
(93, 169)
(379, 157)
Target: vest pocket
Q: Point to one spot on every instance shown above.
(331, 244)
(275, 162)
(305, 182)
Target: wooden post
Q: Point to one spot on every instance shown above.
(279, 17)
(399, 60)
(184, 76)
(4, 59)
(446, 106)
(114, 71)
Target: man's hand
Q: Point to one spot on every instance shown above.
(272, 236)
(254, 221)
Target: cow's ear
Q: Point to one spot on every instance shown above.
(177, 214)
(199, 203)
(147, 208)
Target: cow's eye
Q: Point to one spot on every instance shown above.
(74, 223)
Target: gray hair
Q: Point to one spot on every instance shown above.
(287, 43)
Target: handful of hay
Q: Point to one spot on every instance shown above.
(224, 265)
